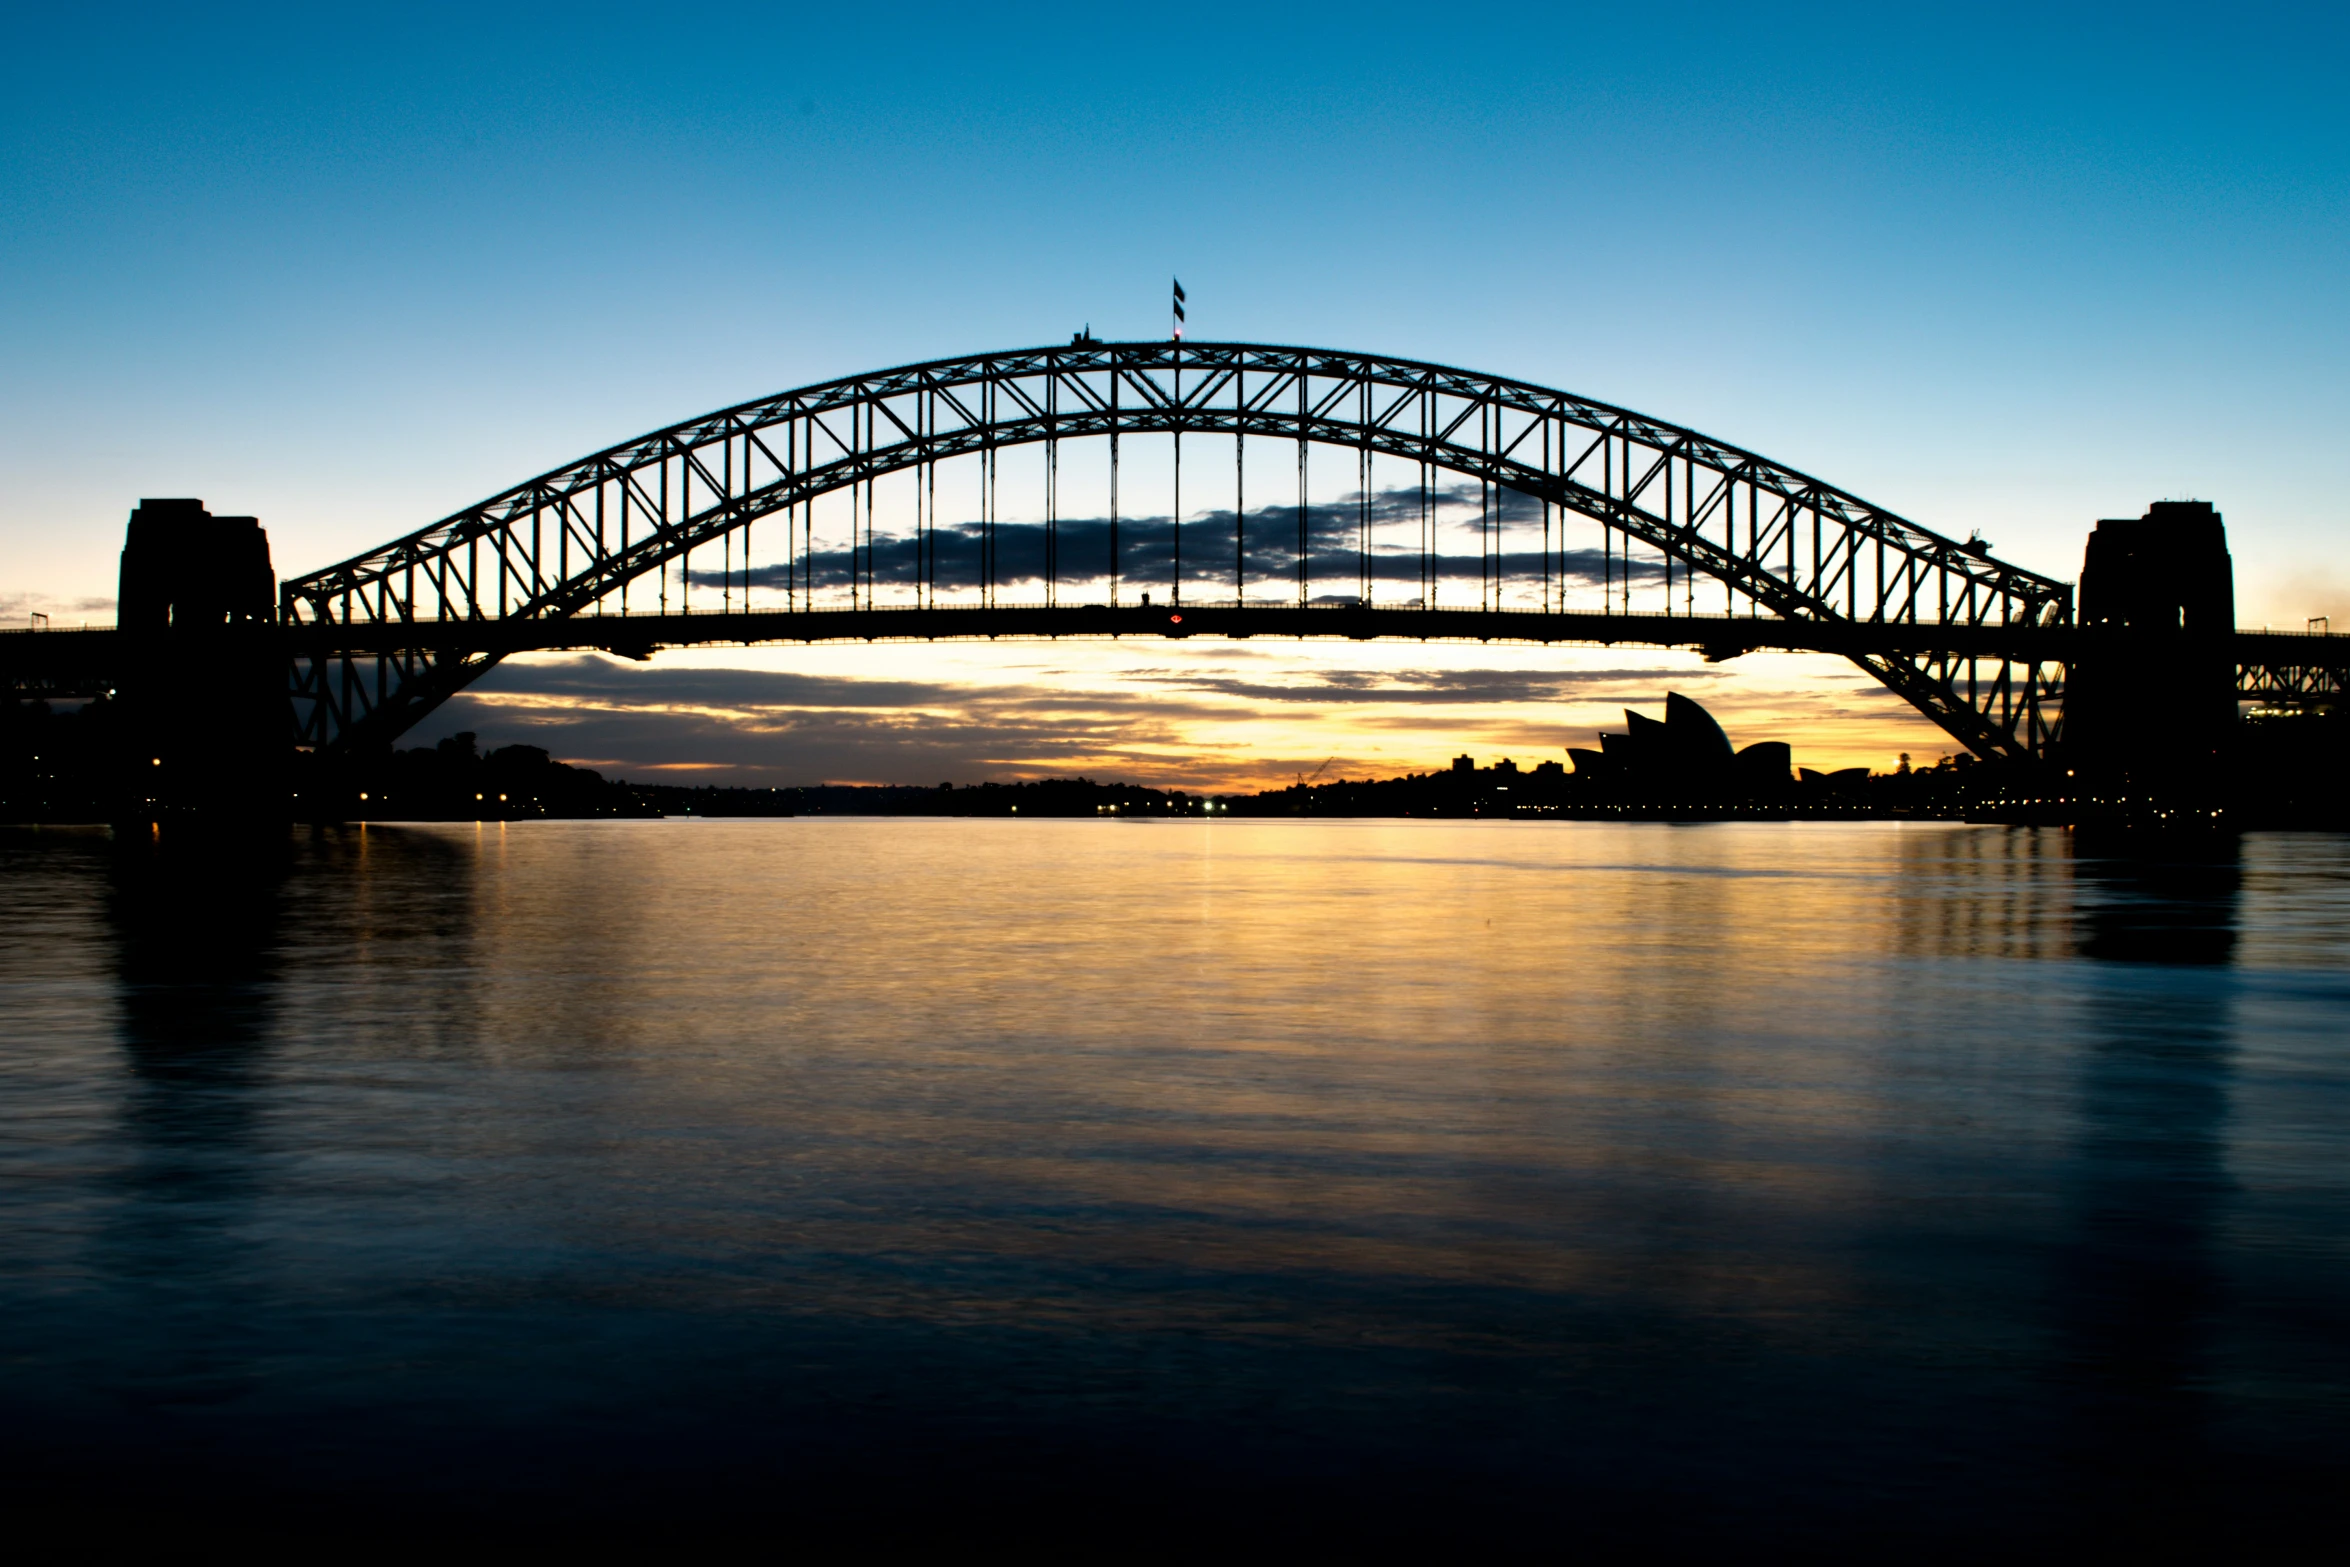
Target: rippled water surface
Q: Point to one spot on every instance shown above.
(1787, 1186)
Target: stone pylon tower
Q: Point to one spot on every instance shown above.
(202, 715)
(2150, 705)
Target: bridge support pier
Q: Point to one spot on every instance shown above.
(201, 720)
(2150, 721)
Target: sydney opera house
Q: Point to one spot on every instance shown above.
(1687, 759)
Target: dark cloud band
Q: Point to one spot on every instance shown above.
(777, 726)
(1081, 549)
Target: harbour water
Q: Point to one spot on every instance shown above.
(1791, 1186)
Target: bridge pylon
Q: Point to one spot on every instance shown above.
(2150, 720)
(200, 730)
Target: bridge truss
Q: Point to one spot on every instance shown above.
(1970, 641)
(2291, 671)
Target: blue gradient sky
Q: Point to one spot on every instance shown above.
(2007, 270)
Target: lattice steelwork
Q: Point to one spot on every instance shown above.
(387, 635)
(2289, 670)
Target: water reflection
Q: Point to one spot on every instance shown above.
(386, 942)
(2176, 905)
(1779, 1180)
(2147, 1189)
(196, 934)
(1998, 892)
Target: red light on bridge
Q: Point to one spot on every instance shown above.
(1175, 620)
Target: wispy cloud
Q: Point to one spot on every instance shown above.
(1446, 687)
(1079, 549)
(16, 608)
(766, 726)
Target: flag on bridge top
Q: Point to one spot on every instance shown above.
(1179, 310)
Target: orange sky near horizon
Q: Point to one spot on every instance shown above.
(1221, 717)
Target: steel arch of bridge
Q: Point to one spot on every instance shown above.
(385, 636)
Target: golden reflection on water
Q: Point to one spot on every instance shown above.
(1448, 1051)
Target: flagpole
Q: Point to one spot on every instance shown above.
(1178, 518)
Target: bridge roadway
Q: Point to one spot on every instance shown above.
(2271, 665)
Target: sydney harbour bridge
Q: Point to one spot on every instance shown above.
(1173, 489)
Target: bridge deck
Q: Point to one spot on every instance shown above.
(1720, 634)
(81, 663)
